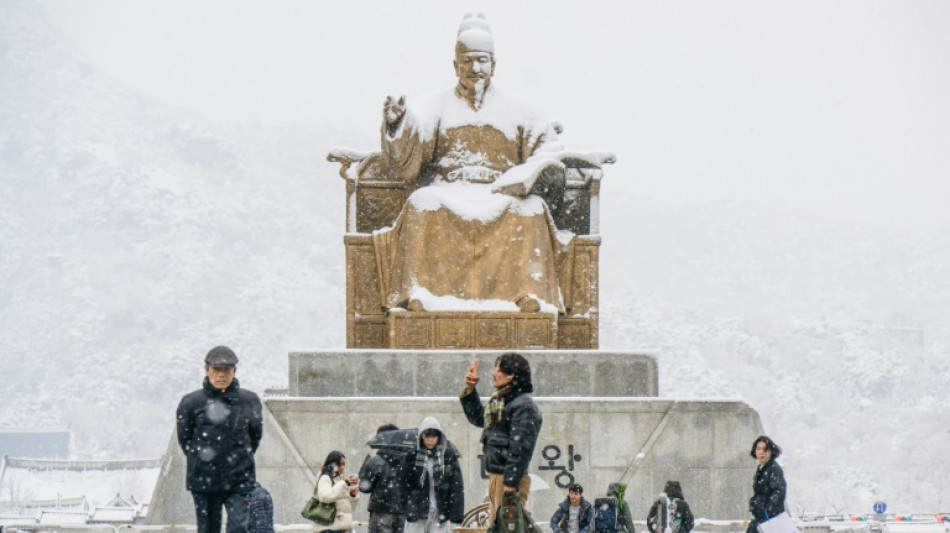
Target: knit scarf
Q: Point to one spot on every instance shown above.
(438, 460)
(496, 404)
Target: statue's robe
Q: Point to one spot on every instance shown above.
(455, 238)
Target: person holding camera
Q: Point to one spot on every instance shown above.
(332, 487)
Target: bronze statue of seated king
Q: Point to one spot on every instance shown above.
(472, 227)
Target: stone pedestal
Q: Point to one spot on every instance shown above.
(439, 373)
(468, 330)
(600, 411)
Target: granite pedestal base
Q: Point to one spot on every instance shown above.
(439, 372)
(600, 412)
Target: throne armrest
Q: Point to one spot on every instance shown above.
(587, 159)
(346, 158)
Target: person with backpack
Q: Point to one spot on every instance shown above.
(670, 513)
(573, 515)
(612, 513)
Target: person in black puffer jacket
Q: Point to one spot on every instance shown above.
(768, 486)
(436, 473)
(219, 428)
(512, 422)
(384, 477)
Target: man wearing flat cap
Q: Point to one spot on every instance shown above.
(219, 428)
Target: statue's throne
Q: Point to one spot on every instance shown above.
(375, 197)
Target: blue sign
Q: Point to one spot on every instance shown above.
(880, 507)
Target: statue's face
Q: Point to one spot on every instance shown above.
(473, 67)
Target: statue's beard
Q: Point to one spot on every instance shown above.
(478, 92)
(474, 91)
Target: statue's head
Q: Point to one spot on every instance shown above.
(474, 53)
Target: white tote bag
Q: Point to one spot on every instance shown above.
(780, 523)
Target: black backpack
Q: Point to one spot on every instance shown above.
(605, 515)
(260, 511)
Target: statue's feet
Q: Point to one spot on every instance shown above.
(528, 304)
(415, 305)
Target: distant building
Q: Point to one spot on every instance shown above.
(59, 492)
(35, 443)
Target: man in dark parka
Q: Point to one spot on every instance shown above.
(219, 429)
(512, 422)
(384, 477)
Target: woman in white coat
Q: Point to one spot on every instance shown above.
(333, 487)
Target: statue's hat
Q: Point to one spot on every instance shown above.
(475, 34)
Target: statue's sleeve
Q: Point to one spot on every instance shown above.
(408, 147)
(540, 137)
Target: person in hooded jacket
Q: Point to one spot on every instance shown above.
(436, 491)
(219, 428)
(768, 485)
(384, 476)
(511, 423)
(670, 513)
(624, 515)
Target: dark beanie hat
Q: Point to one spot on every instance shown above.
(575, 487)
(221, 356)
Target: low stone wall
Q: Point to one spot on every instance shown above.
(591, 440)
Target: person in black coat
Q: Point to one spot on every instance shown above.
(512, 422)
(384, 477)
(670, 512)
(219, 428)
(436, 472)
(768, 486)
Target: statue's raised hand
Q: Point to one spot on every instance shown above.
(393, 110)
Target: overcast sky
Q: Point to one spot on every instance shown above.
(840, 106)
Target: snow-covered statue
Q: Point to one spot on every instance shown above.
(480, 230)
(473, 218)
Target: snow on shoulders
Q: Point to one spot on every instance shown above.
(499, 110)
